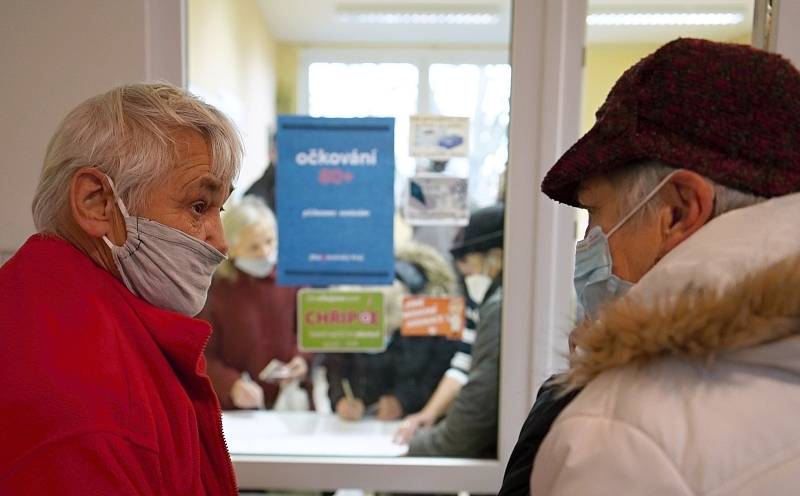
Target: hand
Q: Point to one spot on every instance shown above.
(298, 368)
(389, 408)
(411, 424)
(247, 394)
(350, 409)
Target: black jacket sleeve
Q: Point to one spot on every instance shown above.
(337, 367)
(418, 366)
(548, 405)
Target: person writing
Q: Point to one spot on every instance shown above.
(399, 380)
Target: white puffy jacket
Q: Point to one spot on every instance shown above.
(692, 381)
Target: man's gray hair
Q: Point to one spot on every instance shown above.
(640, 179)
(129, 134)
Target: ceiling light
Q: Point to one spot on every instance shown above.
(665, 19)
(465, 18)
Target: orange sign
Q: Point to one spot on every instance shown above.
(433, 316)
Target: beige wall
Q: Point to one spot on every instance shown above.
(605, 63)
(231, 64)
(53, 56)
(287, 65)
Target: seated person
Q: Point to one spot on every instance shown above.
(254, 319)
(399, 380)
(469, 428)
(106, 391)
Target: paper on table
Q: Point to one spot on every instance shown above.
(308, 434)
(275, 370)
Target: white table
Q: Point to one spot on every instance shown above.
(308, 434)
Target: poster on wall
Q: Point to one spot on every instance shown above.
(439, 137)
(436, 200)
(340, 320)
(433, 316)
(335, 200)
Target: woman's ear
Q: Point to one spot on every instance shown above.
(689, 199)
(92, 205)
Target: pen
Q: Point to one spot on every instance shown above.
(348, 391)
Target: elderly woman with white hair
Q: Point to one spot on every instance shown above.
(254, 319)
(106, 391)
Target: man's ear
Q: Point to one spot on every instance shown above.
(92, 203)
(690, 202)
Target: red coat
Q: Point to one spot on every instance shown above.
(254, 322)
(102, 392)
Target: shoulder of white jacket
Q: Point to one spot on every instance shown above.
(594, 454)
(636, 393)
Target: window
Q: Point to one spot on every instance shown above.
(361, 83)
(481, 92)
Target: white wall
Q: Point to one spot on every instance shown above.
(55, 54)
(788, 39)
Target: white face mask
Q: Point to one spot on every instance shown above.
(477, 286)
(163, 265)
(256, 267)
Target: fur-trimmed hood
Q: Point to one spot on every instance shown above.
(732, 286)
(440, 276)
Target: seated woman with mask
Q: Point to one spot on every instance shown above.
(105, 385)
(254, 319)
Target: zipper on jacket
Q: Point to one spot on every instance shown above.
(207, 384)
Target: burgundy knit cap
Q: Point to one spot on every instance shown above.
(728, 112)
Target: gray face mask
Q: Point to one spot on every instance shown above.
(164, 266)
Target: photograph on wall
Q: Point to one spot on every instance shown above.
(436, 200)
(439, 137)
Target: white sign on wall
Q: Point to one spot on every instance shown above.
(438, 137)
(436, 199)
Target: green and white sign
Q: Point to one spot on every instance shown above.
(337, 320)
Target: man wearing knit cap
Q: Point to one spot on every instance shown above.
(687, 354)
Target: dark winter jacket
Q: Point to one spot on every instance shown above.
(409, 369)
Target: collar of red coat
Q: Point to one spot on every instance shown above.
(182, 339)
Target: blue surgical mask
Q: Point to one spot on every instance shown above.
(595, 282)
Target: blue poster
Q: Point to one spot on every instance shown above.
(335, 200)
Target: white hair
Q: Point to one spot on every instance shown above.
(128, 133)
(249, 211)
(640, 179)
